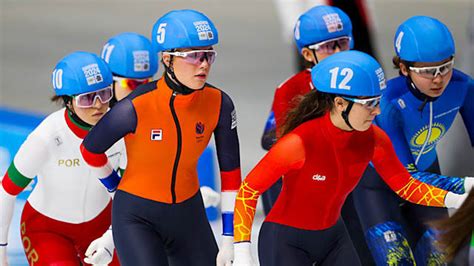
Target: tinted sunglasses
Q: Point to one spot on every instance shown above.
(196, 57)
(329, 46)
(131, 84)
(86, 100)
(369, 103)
(433, 71)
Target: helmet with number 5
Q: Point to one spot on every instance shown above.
(183, 29)
(350, 73)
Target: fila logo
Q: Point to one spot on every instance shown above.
(156, 134)
(319, 177)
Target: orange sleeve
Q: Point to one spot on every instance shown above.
(399, 179)
(287, 154)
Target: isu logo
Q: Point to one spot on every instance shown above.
(319, 177)
(156, 134)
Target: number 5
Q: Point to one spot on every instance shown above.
(160, 33)
(347, 73)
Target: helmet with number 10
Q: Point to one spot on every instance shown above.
(80, 72)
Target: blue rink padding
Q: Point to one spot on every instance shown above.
(15, 125)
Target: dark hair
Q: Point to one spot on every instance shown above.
(396, 60)
(312, 105)
(61, 100)
(456, 230)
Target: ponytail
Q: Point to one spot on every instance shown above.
(456, 230)
(313, 105)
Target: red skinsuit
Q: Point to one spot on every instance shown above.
(321, 165)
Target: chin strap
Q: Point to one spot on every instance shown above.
(173, 82)
(76, 118)
(345, 114)
(418, 94)
(315, 57)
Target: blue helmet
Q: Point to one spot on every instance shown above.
(130, 55)
(80, 72)
(423, 39)
(321, 23)
(350, 73)
(183, 29)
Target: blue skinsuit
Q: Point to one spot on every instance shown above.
(415, 124)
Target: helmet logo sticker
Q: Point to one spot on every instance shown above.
(141, 61)
(333, 22)
(297, 30)
(204, 30)
(92, 74)
(398, 42)
(346, 72)
(107, 51)
(58, 79)
(381, 77)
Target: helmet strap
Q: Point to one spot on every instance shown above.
(75, 117)
(315, 57)
(345, 114)
(114, 100)
(173, 82)
(418, 94)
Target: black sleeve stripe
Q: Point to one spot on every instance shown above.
(142, 89)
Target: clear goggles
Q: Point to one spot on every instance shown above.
(369, 103)
(433, 71)
(329, 46)
(86, 100)
(196, 57)
(131, 84)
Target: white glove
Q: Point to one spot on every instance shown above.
(243, 254)
(101, 250)
(453, 200)
(468, 183)
(3, 256)
(210, 197)
(226, 252)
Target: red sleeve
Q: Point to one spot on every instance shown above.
(286, 98)
(398, 178)
(287, 154)
(280, 108)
